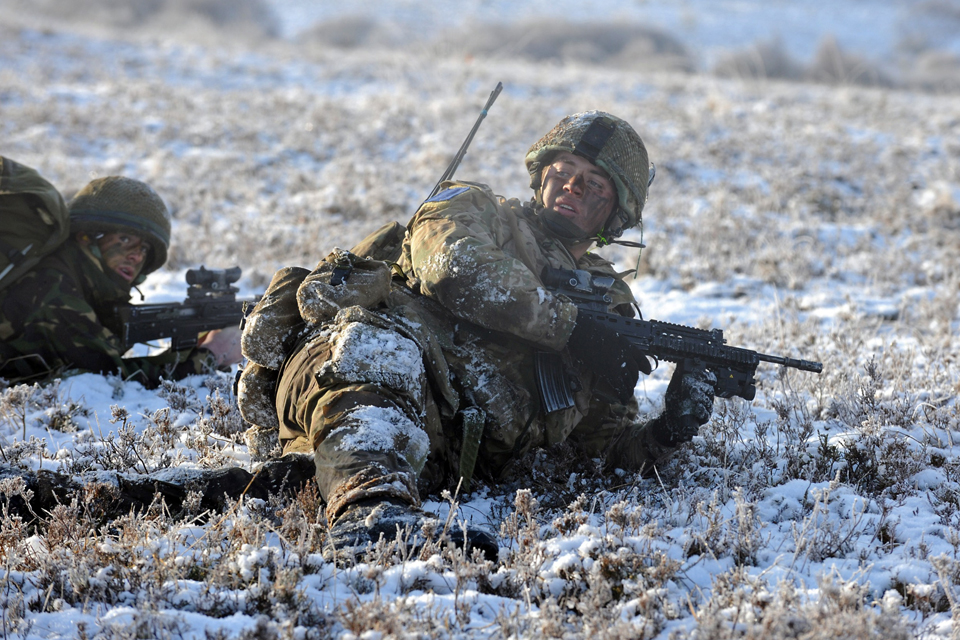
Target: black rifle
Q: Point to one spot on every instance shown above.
(690, 347)
(211, 303)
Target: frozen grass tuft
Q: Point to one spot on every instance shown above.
(807, 220)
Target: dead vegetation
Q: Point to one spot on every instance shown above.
(793, 517)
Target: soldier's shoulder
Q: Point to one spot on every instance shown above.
(51, 270)
(461, 190)
(63, 258)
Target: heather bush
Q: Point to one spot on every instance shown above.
(805, 219)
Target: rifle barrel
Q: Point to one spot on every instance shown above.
(803, 365)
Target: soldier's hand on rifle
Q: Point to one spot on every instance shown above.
(224, 344)
(603, 351)
(689, 403)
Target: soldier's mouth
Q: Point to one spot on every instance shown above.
(125, 272)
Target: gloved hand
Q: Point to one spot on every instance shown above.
(688, 404)
(598, 346)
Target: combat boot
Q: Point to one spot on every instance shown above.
(475, 538)
(363, 523)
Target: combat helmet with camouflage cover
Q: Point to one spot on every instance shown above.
(611, 144)
(117, 204)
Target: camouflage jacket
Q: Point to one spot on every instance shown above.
(479, 256)
(59, 318)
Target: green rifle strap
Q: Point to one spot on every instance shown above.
(473, 420)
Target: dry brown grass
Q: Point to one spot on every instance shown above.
(820, 192)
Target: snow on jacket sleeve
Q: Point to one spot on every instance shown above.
(462, 251)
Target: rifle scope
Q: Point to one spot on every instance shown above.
(215, 279)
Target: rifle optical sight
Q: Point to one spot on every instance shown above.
(216, 279)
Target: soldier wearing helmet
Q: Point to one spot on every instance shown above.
(615, 152)
(59, 317)
(436, 382)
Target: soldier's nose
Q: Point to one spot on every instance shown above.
(575, 184)
(136, 256)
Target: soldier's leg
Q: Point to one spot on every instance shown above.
(367, 444)
(359, 395)
(367, 437)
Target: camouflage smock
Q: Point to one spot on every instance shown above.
(62, 311)
(476, 310)
(480, 256)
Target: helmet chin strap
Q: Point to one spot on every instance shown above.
(562, 227)
(569, 233)
(605, 237)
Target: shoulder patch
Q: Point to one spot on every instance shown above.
(448, 194)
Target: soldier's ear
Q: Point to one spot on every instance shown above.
(84, 239)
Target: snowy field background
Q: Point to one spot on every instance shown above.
(807, 201)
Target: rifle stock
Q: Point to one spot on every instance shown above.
(735, 367)
(210, 304)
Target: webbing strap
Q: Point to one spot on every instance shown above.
(594, 139)
(473, 420)
(14, 255)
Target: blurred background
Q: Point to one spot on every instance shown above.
(893, 43)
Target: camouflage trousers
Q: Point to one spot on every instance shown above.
(371, 404)
(369, 438)
(362, 396)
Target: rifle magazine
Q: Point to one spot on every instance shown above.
(553, 383)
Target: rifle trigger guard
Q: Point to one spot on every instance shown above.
(656, 361)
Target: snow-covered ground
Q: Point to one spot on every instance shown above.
(806, 220)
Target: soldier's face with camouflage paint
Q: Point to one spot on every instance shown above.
(123, 254)
(578, 190)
